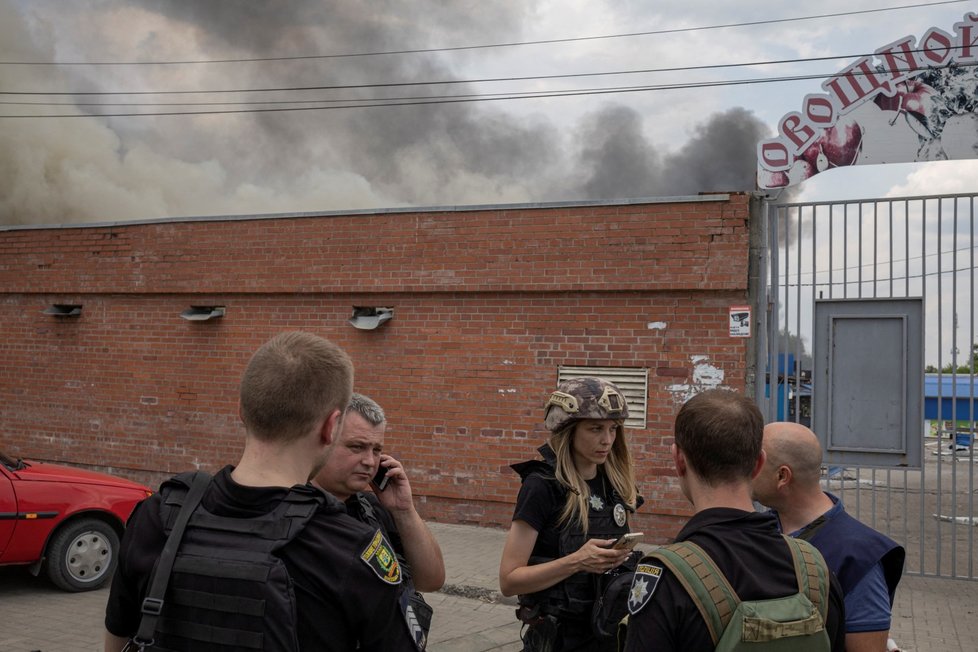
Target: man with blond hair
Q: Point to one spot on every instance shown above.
(868, 564)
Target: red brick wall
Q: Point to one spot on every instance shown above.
(487, 305)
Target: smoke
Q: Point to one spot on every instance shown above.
(619, 161)
(98, 169)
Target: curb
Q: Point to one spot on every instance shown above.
(478, 593)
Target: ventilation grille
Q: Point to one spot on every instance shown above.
(633, 383)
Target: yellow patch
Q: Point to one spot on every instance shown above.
(380, 557)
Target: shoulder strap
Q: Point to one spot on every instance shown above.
(153, 602)
(703, 581)
(811, 572)
(367, 510)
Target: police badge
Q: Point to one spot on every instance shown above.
(619, 515)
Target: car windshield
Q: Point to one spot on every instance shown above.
(10, 463)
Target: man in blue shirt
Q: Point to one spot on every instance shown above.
(868, 564)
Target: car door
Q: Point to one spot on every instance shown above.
(8, 510)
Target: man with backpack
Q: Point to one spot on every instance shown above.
(731, 581)
(255, 558)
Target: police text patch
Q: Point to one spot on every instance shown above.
(643, 586)
(379, 556)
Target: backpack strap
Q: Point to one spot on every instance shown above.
(812, 573)
(153, 602)
(703, 581)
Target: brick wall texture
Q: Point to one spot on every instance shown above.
(488, 304)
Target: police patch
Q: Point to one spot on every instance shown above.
(643, 586)
(619, 515)
(379, 556)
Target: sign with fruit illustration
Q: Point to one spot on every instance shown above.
(911, 101)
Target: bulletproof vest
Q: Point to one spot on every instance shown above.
(228, 589)
(795, 623)
(574, 597)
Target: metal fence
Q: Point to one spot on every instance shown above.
(885, 248)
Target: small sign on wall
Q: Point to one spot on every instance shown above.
(739, 321)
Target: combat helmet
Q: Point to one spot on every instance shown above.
(584, 398)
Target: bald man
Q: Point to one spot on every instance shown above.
(868, 564)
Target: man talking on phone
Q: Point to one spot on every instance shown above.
(357, 463)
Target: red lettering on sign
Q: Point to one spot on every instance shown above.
(899, 58)
(937, 46)
(794, 129)
(775, 155)
(855, 84)
(819, 110)
(966, 38)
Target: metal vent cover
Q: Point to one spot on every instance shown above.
(633, 383)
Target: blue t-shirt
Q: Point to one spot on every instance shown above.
(867, 603)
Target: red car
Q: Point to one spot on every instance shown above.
(70, 518)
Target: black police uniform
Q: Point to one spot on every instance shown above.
(749, 550)
(539, 503)
(366, 508)
(342, 601)
(376, 517)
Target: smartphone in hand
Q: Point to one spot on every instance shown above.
(380, 478)
(627, 541)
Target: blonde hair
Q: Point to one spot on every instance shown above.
(618, 469)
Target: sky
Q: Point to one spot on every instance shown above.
(86, 167)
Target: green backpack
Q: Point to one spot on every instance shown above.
(795, 623)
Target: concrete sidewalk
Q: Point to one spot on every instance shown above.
(931, 614)
(470, 615)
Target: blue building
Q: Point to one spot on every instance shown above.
(951, 399)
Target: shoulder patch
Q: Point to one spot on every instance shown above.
(380, 557)
(418, 632)
(643, 586)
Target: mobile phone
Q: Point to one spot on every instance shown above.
(380, 479)
(627, 541)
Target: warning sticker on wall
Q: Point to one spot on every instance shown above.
(739, 321)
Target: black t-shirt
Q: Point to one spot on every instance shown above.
(749, 550)
(341, 602)
(540, 503)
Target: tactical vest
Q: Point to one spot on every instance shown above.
(228, 589)
(795, 623)
(573, 597)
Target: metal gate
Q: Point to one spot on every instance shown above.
(881, 249)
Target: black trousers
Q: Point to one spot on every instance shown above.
(565, 635)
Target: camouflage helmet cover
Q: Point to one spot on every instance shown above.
(584, 398)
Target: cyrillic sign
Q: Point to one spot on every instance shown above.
(910, 101)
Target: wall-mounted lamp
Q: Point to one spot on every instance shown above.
(368, 318)
(64, 310)
(202, 313)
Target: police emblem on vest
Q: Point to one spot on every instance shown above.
(607, 519)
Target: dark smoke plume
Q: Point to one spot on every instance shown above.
(105, 169)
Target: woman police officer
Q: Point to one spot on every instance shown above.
(571, 507)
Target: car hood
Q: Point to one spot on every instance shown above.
(44, 472)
